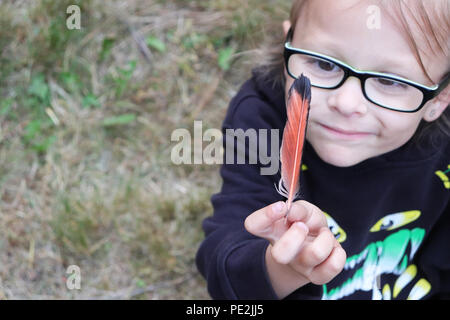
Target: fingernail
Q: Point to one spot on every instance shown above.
(303, 226)
(278, 207)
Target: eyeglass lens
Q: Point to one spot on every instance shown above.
(383, 91)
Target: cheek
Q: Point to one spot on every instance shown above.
(318, 103)
(398, 127)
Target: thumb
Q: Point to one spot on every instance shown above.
(260, 223)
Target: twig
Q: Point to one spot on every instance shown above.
(140, 41)
(130, 293)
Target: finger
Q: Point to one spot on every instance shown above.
(311, 215)
(317, 251)
(288, 246)
(260, 222)
(330, 268)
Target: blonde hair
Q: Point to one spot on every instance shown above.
(435, 28)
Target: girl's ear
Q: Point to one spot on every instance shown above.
(437, 106)
(286, 26)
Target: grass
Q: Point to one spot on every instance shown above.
(85, 123)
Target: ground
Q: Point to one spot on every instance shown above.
(86, 117)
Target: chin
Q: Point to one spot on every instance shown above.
(340, 156)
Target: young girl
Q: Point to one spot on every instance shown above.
(373, 217)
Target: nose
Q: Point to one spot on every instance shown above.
(348, 99)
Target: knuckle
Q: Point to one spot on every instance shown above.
(323, 219)
(277, 254)
(321, 250)
(300, 210)
(337, 263)
(342, 259)
(248, 225)
(332, 267)
(335, 267)
(331, 238)
(308, 208)
(311, 208)
(319, 254)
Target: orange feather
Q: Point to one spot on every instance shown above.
(299, 99)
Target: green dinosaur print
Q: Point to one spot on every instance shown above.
(392, 255)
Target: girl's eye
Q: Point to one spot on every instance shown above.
(326, 65)
(391, 83)
(323, 66)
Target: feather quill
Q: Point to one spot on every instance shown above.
(299, 99)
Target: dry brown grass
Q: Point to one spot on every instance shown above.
(85, 124)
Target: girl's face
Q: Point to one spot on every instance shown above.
(344, 128)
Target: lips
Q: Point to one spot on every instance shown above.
(345, 133)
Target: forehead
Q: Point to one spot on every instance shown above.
(426, 26)
(348, 30)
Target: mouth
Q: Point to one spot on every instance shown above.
(344, 133)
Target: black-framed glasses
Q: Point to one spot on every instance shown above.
(383, 89)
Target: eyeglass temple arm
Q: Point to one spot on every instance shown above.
(444, 83)
(289, 34)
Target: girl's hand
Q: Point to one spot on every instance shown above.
(302, 248)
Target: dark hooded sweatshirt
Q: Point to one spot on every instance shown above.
(390, 213)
